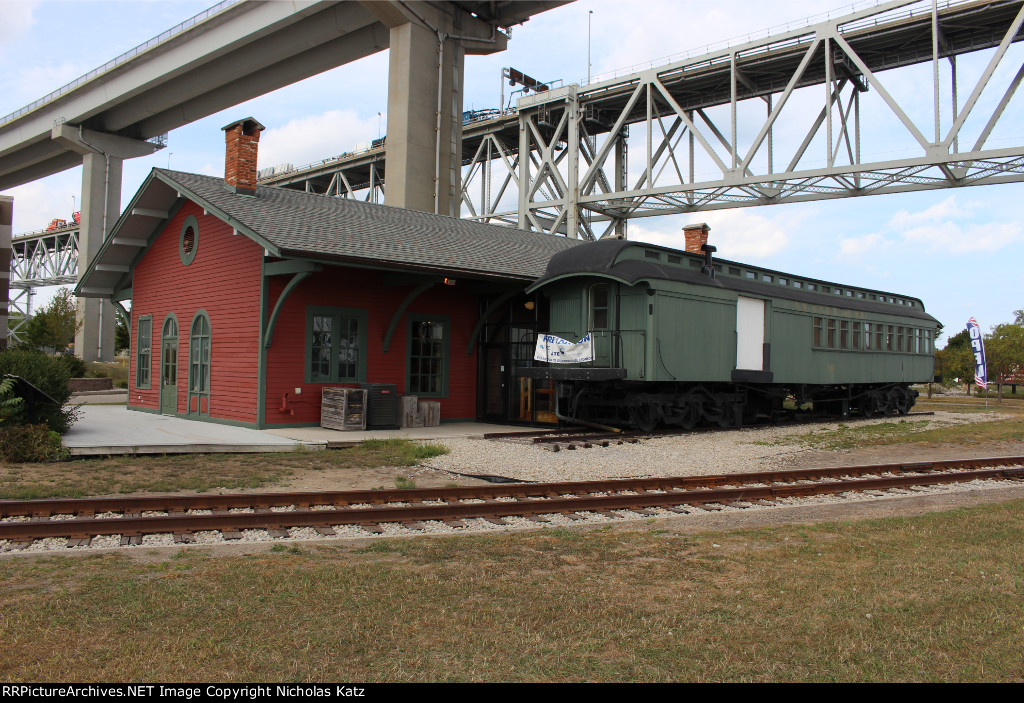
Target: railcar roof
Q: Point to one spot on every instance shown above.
(606, 257)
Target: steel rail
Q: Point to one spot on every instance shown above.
(305, 499)
(545, 499)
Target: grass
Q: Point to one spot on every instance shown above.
(938, 597)
(917, 432)
(117, 370)
(191, 472)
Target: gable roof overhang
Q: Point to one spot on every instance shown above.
(377, 235)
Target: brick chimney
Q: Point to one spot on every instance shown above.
(242, 140)
(696, 235)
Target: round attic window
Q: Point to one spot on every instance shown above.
(189, 240)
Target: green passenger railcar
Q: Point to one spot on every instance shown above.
(681, 339)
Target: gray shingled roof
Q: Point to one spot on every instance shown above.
(321, 226)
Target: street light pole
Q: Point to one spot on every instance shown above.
(590, 16)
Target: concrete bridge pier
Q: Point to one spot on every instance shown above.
(102, 159)
(425, 88)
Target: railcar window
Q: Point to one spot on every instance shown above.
(811, 286)
(831, 333)
(675, 259)
(860, 294)
(899, 339)
(798, 284)
(867, 336)
(844, 334)
(857, 335)
(817, 331)
(599, 307)
(889, 338)
(766, 278)
(783, 282)
(733, 271)
(837, 291)
(826, 289)
(652, 255)
(751, 274)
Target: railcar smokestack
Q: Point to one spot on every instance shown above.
(708, 251)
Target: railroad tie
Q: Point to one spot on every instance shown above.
(325, 530)
(454, 523)
(184, 537)
(131, 540)
(372, 528)
(278, 533)
(231, 534)
(79, 541)
(496, 520)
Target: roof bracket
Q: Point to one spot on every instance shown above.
(413, 294)
(291, 285)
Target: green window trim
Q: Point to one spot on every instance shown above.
(419, 360)
(188, 242)
(144, 352)
(325, 328)
(200, 353)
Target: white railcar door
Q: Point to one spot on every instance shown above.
(750, 334)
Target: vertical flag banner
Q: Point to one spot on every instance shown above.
(978, 348)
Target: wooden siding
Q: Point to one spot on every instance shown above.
(362, 289)
(223, 280)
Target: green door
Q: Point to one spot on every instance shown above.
(602, 325)
(169, 368)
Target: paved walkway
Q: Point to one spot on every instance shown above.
(113, 429)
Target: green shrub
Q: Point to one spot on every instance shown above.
(48, 374)
(24, 443)
(74, 365)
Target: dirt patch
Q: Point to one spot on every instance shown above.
(365, 479)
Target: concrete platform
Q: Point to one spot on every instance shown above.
(113, 429)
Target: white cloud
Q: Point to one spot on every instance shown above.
(858, 247)
(944, 210)
(15, 20)
(36, 203)
(740, 235)
(317, 137)
(976, 238)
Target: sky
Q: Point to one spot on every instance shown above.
(958, 250)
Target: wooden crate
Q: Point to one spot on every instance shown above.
(343, 409)
(408, 410)
(431, 412)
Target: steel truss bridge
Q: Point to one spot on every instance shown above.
(773, 121)
(38, 259)
(778, 120)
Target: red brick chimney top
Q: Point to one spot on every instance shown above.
(241, 144)
(696, 235)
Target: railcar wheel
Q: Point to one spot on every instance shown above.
(644, 417)
(891, 401)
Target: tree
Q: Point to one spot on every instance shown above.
(122, 337)
(55, 326)
(1004, 349)
(956, 360)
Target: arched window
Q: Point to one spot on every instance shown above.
(199, 365)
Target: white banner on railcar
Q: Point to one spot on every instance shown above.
(561, 351)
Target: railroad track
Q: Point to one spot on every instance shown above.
(81, 520)
(574, 438)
